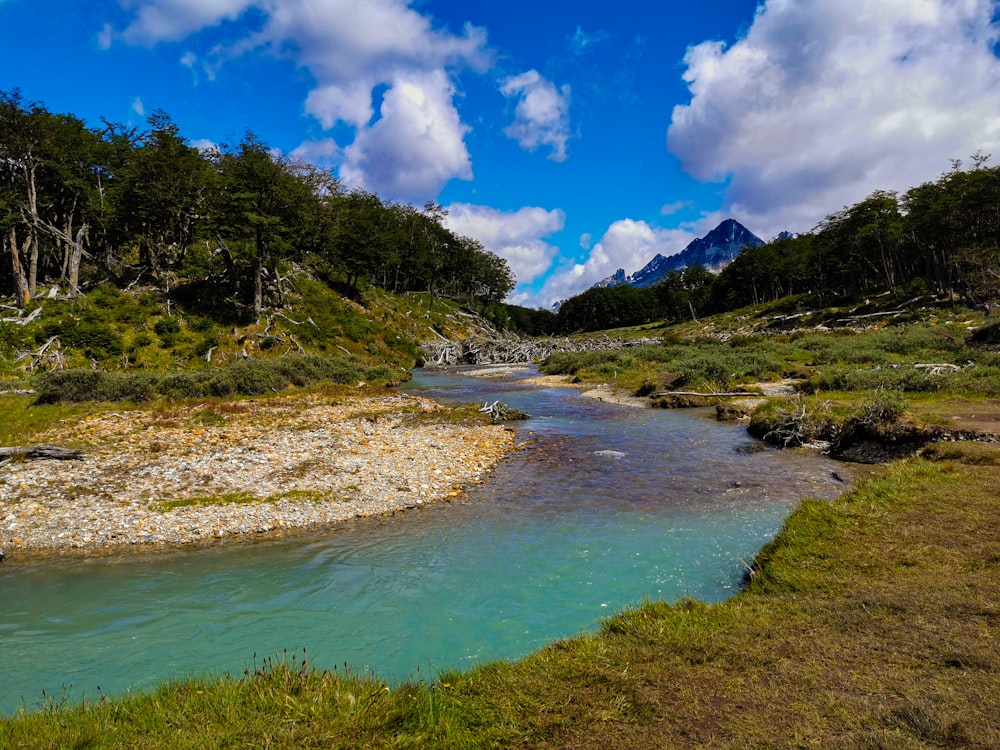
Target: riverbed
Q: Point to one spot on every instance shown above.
(602, 507)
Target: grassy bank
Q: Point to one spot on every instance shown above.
(870, 622)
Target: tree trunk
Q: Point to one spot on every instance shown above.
(227, 259)
(33, 262)
(40, 451)
(258, 286)
(22, 294)
(76, 253)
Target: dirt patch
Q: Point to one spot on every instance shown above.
(614, 395)
(972, 416)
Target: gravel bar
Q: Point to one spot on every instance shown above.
(193, 473)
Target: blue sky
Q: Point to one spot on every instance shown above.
(572, 138)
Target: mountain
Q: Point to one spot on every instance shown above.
(617, 278)
(714, 251)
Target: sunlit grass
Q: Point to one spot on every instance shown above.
(866, 624)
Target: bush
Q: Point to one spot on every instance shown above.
(252, 377)
(94, 385)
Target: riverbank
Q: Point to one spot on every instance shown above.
(868, 623)
(200, 473)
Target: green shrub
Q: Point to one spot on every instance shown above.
(250, 377)
(94, 385)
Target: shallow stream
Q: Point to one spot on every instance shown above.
(604, 506)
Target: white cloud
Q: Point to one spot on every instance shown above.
(541, 116)
(188, 59)
(824, 101)
(627, 244)
(351, 48)
(417, 144)
(105, 37)
(138, 107)
(516, 236)
(581, 42)
(669, 209)
(173, 20)
(204, 144)
(323, 152)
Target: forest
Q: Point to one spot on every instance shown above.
(941, 238)
(81, 206)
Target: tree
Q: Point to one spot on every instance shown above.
(161, 193)
(258, 206)
(48, 164)
(870, 233)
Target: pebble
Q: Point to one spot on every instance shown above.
(282, 463)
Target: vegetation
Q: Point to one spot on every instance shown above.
(239, 378)
(180, 274)
(843, 638)
(731, 352)
(941, 238)
(223, 229)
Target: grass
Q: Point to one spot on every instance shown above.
(251, 377)
(21, 420)
(835, 360)
(229, 498)
(240, 498)
(869, 622)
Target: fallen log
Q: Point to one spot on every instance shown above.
(40, 451)
(938, 367)
(730, 394)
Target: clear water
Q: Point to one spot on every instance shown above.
(605, 506)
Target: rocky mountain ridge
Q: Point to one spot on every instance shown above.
(714, 251)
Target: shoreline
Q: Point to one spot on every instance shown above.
(197, 474)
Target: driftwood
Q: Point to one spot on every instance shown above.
(511, 349)
(23, 321)
(43, 355)
(500, 412)
(789, 429)
(730, 394)
(39, 451)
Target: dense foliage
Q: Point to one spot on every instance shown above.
(80, 206)
(942, 237)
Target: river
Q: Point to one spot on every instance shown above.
(603, 507)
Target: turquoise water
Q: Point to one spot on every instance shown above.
(604, 507)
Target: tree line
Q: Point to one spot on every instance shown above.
(941, 237)
(80, 206)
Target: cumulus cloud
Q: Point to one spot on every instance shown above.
(415, 146)
(516, 236)
(824, 101)
(415, 142)
(541, 116)
(627, 244)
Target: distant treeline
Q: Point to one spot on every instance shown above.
(82, 206)
(941, 237)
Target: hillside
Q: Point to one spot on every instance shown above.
(147, 331)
